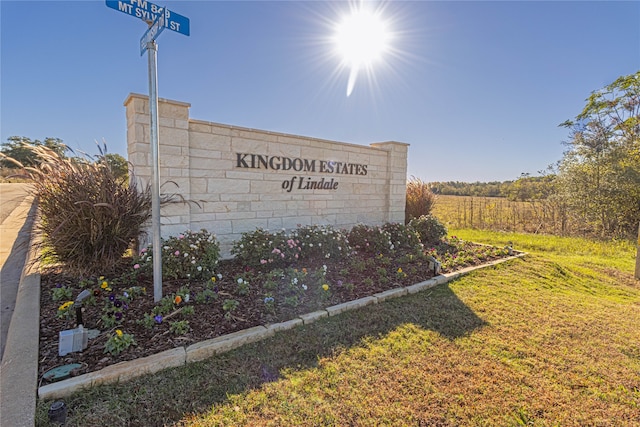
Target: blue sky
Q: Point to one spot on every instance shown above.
(477, 88)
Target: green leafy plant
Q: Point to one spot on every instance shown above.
(256, 248)
(147, 321)
(64, 311)
(370, 239)
(243, 285)
(321, 241)
(229, 306)
(179, 327)
(404, 239)
(61, 293)
(190, 255)
(118, 342)
(205, 296)
(429, 229)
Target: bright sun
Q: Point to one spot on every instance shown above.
(361, 38)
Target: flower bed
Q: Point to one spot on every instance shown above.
(273, 277)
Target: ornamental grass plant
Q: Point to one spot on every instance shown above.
(88, 216)
(420, 200)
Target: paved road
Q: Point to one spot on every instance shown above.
(14, 240)
(11, 195)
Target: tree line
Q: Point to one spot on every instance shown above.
(596, 185)
(523, 189)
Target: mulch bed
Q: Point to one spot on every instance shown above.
(209, 319)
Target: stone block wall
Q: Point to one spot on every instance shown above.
(235, 179)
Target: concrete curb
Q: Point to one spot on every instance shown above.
(179, 356)
(19, 368)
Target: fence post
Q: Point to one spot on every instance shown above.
(637, 275)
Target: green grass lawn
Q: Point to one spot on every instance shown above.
(549, 340)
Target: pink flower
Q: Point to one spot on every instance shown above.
(143, 250)
(181, 236)
(176, 253)
(263, 261)
(137, 266)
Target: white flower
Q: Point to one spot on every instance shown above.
(199, 268)
(240, 281)
(304, 286)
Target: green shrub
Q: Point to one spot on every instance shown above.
(278, 250)
(370, 239)
(429, 228)
(420, 199)
(88, 217)
(321, 241)
(404, 238)
(261, 247)
(190, 255)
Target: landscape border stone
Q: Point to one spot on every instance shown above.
(24, 402)
(205, 349)
(309, 318)
(351, 305)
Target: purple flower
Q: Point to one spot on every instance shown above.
(112, 297)
(117, 303)
(158, 318)
(118, 315)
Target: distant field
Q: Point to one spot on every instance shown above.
(500, 214)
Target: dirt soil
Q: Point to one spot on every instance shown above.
(210, 319)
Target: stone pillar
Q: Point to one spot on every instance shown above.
(396, 179)
(173, 135)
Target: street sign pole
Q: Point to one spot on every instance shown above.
(152, 49)
(158, 19)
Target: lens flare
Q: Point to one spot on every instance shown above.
(361, 38)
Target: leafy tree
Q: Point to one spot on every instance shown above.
(527, 188)
(599, 175)
(16, 148)
(118, 165)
